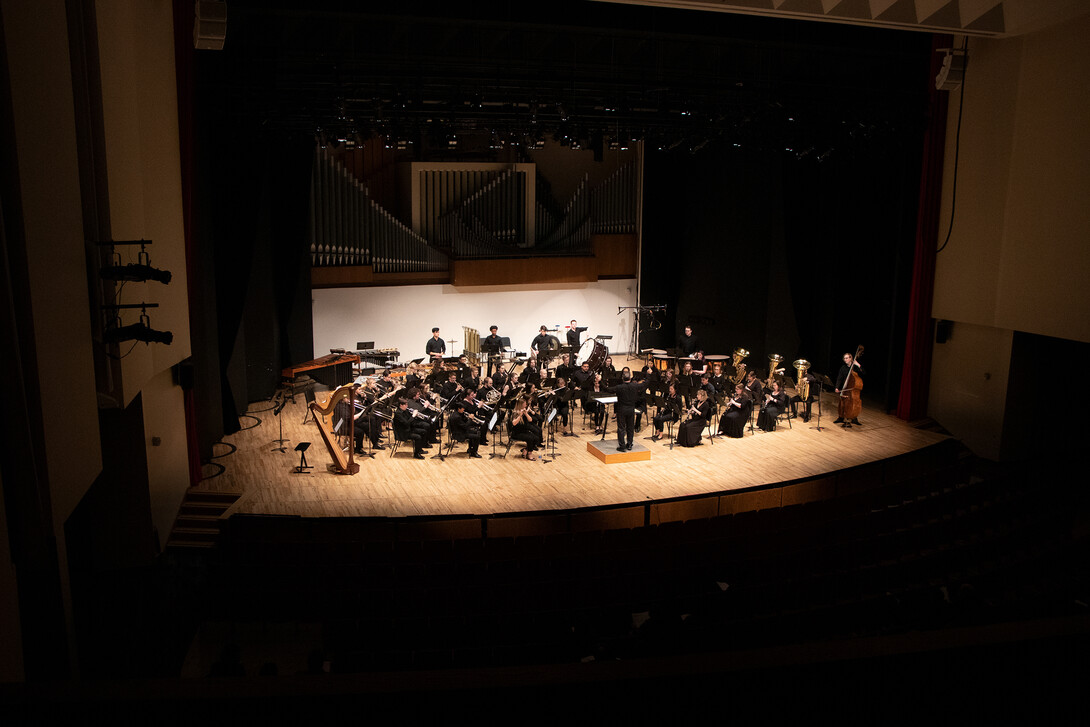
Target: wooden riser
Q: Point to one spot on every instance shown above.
(606, 451)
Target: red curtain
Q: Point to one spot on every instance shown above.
(916, 370)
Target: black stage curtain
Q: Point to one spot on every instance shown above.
(807, 259)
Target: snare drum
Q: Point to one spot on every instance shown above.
(593, 352)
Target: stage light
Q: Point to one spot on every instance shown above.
(137, 332)
(136, 273)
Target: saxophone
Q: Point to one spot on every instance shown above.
(773, 361)
(802, 386)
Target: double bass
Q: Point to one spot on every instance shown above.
(850, 404)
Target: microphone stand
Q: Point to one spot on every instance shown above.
(277, 408)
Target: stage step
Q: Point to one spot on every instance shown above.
(200, 515)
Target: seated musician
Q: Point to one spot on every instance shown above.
(565, 369)
(464, 427)
(700, 366)
(421, 423)
(562, 407)
(609, 371)
(451, 386)
(707, 385)
(594, 407)
(471, 378)
(812, 394)
(668, 412)
(754, 387)
(775, 402)
(413, 377)
(403, 428)
(733, 421)
(473, 408)
(524, 429)
(387, 381)
(687, 369)
(366, 424)
(718, 380)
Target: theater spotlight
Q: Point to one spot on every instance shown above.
(140, 271)
(141, 331)
(137, 332)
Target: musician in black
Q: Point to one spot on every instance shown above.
(812, 394)
(688, 434)
(739, 407)
(707, 385)
(775, 402)
(492, 344)
(451, 386)
(687, 343)
(422, 422)
(754, 387)
(403, 428)
(668, 412)
(594, 407)
(628, 394)
(562, 407)
(842, 377)
(540, 342)
(436, 347)
(573, 335)
(565, 369)
(463, 428)
(472, 378)
(366, 423)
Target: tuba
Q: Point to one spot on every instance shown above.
(773, 361)
(739, 367)
(802, 386)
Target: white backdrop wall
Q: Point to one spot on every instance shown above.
(402, 317)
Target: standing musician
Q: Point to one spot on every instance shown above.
(775, 402)
(492, 344)
(403, 428)
(687, 343)
(668, 412)
(540, 342)
(733, 421)
(628, 394)
(812, 395)
(573, 335)
(436, 347)
(524, 429)
(688, 434)
(850, 362)
(465, 427)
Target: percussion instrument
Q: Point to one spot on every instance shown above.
(716, 357)
(592, 352)
(664, 362)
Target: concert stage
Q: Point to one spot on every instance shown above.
(802, 456)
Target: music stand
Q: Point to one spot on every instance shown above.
(825, 381)
(301, 448)
(279, 402)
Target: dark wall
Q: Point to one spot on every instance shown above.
(760, 250)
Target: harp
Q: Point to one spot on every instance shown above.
(342, 463)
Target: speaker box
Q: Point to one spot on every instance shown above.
(209, 25)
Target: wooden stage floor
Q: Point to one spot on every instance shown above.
(401, 486)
